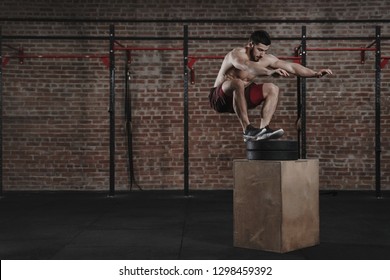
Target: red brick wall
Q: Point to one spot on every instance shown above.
(55, 112)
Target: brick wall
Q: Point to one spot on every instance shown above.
(55, 118)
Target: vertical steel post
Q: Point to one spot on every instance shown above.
(303, 95)
(1, 114)
(186, 153)
(112, 110)
(128, 119)
(299, 115)
(378, 112)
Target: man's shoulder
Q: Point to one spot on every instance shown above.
(238, 50)
(268, 59)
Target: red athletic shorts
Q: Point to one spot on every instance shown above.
(223, 103)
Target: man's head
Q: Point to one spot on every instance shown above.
(259, 43)
(260, 37)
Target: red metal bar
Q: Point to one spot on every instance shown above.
(385, 60)
(361, 50)
(340, 49)
(206, 57)
(146, 49)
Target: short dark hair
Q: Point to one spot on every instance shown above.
(260, 37)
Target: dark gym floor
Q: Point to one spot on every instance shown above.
(167, 225)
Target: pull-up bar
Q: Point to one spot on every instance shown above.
(123, 47)
(22, 57)
(340, 49)
(130, 49)
(55, 56)
(146, 49)
(362, 50)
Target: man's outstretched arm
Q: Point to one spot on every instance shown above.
(301, 71)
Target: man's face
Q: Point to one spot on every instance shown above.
(258, 51)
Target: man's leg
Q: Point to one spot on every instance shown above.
(271, 95)
(236, 88)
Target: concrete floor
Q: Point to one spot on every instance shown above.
(167, 225)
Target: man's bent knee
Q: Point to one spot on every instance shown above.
(236, 86)
(270, 89)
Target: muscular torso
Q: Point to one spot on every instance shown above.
(234, 73)
(229, 72)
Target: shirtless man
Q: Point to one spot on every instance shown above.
(234, 89)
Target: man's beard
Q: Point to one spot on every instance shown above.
(253, 58)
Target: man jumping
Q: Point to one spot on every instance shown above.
(234, 89)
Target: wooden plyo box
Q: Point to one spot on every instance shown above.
(276, 204)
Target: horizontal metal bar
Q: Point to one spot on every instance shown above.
(148, 38)
(54, 56)
(289, 38)
(146, 49)
(340, 49)
(213, 38)
(96, 38)
(92, 56)
(259, 20)
(206, 57)
(53, 37)
(138, 38)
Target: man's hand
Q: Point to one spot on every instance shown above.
(323, 72)
(279, 73)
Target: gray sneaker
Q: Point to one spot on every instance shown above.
(270, 134)
(251, 133)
